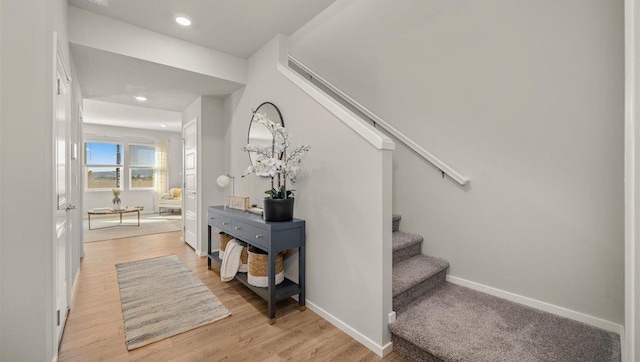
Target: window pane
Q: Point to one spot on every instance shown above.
(142, 155)
(141, 177)
(103, 177)
(102, 153)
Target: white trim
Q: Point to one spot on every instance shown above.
(631, 301)
(456, 176)
(364, 129)
(364, 340)
(104, 138)
(550, 308)
(62, 62)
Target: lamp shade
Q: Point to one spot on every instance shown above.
(223, 180)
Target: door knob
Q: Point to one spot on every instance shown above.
(70, 207)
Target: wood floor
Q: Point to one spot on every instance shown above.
(95, 330)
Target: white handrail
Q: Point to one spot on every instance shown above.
(435, 161)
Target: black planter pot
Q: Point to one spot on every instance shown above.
(278, 209)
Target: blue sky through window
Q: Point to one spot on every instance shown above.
(101, 153)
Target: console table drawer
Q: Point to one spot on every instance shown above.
(251, 234)
(220, 222)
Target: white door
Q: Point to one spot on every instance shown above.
(190, 199)
(61, 262)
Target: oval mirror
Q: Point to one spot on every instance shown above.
(259, 134)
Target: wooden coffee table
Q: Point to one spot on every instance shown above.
(113, 212)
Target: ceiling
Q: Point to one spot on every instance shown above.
(236, 27)
(116, 78)
(121, 115)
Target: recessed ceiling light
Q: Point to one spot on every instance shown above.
(183, 20)
(163, 125)
(140, 98)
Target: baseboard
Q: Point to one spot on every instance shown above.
(364, 340)
(550, 308)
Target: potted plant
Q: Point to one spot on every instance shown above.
(116, 199)
(278, 163)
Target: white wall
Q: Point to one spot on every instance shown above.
(144, 198)
(340, 194)
(525, 98)
(631, 341)
(1, 170)
(26, 317)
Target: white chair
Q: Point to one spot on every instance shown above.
(171, 200)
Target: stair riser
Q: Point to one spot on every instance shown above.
(411, 352)
(406, 253)
(403, 299)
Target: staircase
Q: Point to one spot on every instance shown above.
(440, 321)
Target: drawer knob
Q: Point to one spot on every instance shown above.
(237, 227)
(258, 236)
(225, 223)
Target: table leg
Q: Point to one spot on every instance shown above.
(89, 215)
(301, 277)
(271, 275)
(138, 217)
(209, 247)
(120, 217)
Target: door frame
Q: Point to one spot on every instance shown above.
(59, 64)
(630, 351)
(194, 122)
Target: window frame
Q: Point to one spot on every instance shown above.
(130, 167)
(87, 166)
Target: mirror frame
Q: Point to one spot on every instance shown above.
(251, 123)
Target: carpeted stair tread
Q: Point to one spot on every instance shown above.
(453, 323)
(413, 271)
(395, 221)
(401, 240)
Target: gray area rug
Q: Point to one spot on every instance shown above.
(454, 323)
(108, 227)
(161, 297)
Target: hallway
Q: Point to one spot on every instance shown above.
(95, 329)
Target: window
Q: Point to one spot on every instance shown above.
(142, 160)
(103, 165)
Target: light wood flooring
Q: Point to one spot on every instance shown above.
(95, 330)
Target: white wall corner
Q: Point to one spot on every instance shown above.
(630, 348)
(387, 242)
(380, 350)
(283, 49)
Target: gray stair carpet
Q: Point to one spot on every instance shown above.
(396, 222)
(416, 276)
(453, 323)
(405, 245)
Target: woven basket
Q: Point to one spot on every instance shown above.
(224, 240)
(258, 264)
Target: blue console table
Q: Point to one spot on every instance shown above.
(272, 237)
